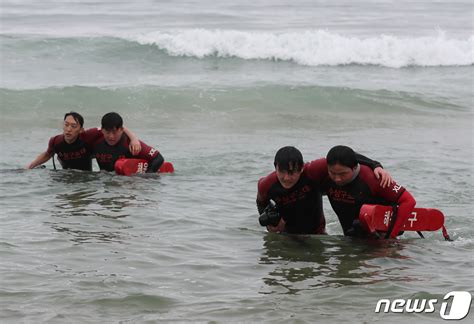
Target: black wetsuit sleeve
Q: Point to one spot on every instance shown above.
(155, 164)
(362, 159)
(261, 206)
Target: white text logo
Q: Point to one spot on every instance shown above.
(396, 188)
(456, 305)
(152, 151)
(142, 167)
(413, 219)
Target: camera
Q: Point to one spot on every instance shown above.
(270, 216)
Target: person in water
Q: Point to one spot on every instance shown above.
(295, 187)
(74, 146)
(114, 145)
(349, 185)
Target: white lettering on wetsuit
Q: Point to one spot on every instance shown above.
(396, 188)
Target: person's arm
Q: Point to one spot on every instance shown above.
(135, 146)
(155, 163)
(262, 192)
(263, 201)
(406, 203)
(152, 156)
(317, 169)
(385, 177)
(40, 159)
(261, 205)
(91, 135)
(376, 166)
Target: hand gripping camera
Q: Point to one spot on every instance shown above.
(270, 216)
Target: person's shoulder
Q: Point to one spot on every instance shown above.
(367, 174)
(91, 131)
(91, 135)
(141, 143)
(146, 149)
(367, 177)
(125, 140)
(57, 139)
(265, 183)
(316, 164)
(316, 169)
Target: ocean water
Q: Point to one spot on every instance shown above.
(218, 87)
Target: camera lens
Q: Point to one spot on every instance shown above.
(263, 219)
(269, 217)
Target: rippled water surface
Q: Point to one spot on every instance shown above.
(218, 88)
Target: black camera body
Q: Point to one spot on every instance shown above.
(270, 216)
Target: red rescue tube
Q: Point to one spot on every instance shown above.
(130, 167)
(377, 218)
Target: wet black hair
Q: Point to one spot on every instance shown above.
(288, 158)
(342, 155)
(111, 121)
(77, 117)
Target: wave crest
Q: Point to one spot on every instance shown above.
(315, 47)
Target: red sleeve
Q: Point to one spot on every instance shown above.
(406, 203)
(52, 142)
(394, 193)
(391, 193)
(51, 145)
(264, 185)
(91, 135)
(316, 170)
(147, 153)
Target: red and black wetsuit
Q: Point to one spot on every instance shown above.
(106, 155)
(77, 155)
(301, 206)
(365, 189)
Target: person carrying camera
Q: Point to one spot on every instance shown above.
(295, 189)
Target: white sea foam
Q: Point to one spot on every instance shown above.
(315, 47)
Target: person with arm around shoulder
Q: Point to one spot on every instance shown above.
(350, 185)
(73, 146)
(114, 145)
(293, 193)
